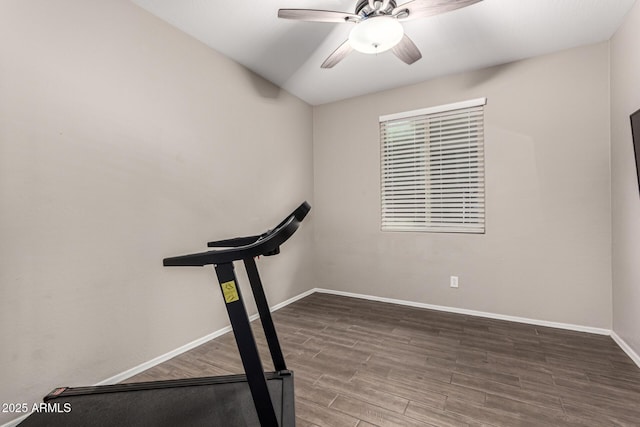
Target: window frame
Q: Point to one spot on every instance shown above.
(425, 216)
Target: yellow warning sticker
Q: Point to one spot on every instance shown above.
(230, 292)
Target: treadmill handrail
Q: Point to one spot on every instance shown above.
(267, 243)
(232, 243)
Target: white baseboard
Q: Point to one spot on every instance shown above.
(568, 326)
(293, 299)
(537, 322)
(193, 344)
(14, 423)
(626, 348)
(173, 353)
(163, 358)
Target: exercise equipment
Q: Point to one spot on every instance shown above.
(256, 398)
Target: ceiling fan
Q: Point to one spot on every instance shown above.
(378, 25)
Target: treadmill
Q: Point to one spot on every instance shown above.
(256, 398)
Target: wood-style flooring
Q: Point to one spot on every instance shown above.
(363, 363)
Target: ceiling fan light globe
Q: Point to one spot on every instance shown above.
(376, 34)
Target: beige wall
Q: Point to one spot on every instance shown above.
(124, 141)
(625, 99)
(546, 254)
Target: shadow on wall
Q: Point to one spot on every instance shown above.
(262, 86)
(486, 75)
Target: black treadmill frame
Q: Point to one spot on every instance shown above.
(245, 249)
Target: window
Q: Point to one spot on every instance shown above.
(432, 169)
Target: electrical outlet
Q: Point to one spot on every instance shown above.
(453, 282)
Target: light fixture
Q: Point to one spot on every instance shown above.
(376, 34)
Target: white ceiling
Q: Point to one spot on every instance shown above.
(289, 53)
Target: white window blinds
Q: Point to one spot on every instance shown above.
(432, 173)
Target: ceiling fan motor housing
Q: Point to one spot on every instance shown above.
(364, 9)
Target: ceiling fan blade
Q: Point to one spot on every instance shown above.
(337, 55)
(317, 15)
(407, 51)
(424, 8)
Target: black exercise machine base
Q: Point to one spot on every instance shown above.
(208, 401)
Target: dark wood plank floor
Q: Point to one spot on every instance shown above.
(363, 363)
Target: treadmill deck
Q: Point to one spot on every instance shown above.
(209, 401)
